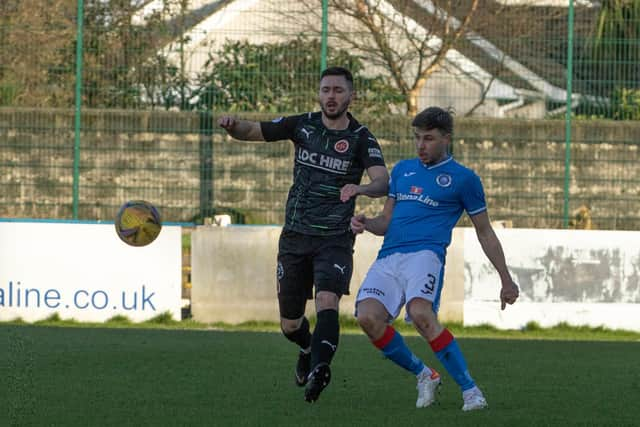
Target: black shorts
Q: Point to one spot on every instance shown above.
(305, 261)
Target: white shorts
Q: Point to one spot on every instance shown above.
(398, 278)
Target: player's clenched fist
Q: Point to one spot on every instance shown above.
(357, 223)
(509, 294)
(348, 191)
(227, 122)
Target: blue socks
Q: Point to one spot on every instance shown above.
(394, 348)
(448, 353)
(444, 346)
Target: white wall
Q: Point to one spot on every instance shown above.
(84, 272)
(581, 277)
(233, 274)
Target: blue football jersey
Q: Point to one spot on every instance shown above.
(429, 203)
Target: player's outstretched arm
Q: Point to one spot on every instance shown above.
(241, 129)
(378, 187)
(377, 225)
(493, 250)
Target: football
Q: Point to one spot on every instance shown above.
(138, 223)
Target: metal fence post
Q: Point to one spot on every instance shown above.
(206, 164)
(78, 110)
(567, 129)
(325, 31)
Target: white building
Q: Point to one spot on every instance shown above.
(478, 76)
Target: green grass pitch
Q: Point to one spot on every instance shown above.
(71, 376)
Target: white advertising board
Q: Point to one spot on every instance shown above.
(84, 272)
(581, 277)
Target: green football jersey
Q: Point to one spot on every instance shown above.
(325, 161)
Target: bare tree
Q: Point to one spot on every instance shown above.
(410, 40)
(385, 34)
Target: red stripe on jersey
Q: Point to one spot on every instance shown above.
(441, 341)
(386, 338)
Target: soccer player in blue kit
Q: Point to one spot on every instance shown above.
(427, 196)
(332, 151)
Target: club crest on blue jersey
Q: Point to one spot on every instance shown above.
(443, 180)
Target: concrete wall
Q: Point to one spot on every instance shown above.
(157, 156)
(581, 277)
(234, 274)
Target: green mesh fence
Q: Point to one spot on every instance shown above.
(155, 75)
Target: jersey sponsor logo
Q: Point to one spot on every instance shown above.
(372, 291)
(415, 190)
(341, 146)
(277, 119)
(375, 152)
(322, 161)
(443, 180)
(418, 198)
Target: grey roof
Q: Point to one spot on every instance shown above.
(533, 36)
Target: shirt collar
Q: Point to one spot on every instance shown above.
(437, 165)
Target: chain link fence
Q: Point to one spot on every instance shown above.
(546, 94)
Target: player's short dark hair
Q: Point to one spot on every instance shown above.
(434, 118)
(338, 71)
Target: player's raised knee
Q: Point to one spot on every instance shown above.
(367, 321)
(289, 326)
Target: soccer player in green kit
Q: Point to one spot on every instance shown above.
(332, 152)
